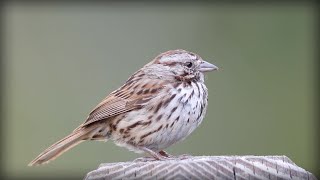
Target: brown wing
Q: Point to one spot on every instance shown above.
(131, 96)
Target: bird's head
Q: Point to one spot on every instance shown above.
(182, 64)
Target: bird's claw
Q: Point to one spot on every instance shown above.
(184, 156)
(144, 159)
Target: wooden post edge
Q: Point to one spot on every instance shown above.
(204, 167)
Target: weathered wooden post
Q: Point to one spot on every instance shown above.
(204, 167)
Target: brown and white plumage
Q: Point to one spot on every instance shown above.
(159, 105)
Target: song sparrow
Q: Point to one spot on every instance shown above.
(159, 105)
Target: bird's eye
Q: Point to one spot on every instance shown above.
(189, 64)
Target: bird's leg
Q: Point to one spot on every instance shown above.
(155, 155)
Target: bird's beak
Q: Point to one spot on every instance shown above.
(205, 67)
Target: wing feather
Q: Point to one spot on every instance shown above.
(117, 103)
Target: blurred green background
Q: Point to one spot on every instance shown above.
(61, 60)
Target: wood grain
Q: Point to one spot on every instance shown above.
(204, 167)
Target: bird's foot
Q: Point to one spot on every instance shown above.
(161, 155)
(145, 159)
(165, 154)
(169, 156)
(184, 156)
(154, 155)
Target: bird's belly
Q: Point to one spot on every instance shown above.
(159, 128)
(176, 128)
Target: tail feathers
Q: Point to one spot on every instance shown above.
(63, 145)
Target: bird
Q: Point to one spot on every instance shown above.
(159, 105)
